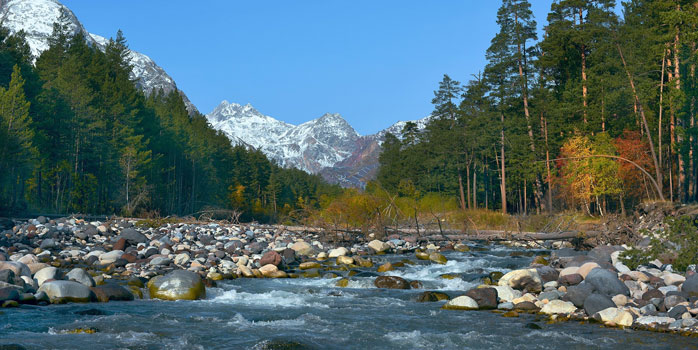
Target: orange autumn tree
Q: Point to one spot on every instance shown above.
(633, 146)
(587, 180)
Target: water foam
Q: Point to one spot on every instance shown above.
(270, 299)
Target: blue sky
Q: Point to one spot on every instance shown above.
(374, 62)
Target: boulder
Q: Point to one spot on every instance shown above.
(606, 282)
(177, 285)
(461, 303)
(569, 271)
(344, 260)
(438, 258)
(181, 259)
(673, 279)
(79, 275)
(268, 270)
(120, 244)
(614, 316)
(270, 258)
(432, 296)
(385, 267)
(111, 257)
(309, 265)
(67, 291)
(111, 291)
(7, 276)
(558, 307)
(525, 279)
(378, 246)
(18, 268)
(341, 251)
(506, 293)
(8, 293)
(597, 302)
(160, 261)
(571, 279)
(486, 298)
(586, 268)
(689, 286)
(654, 320)
(132, 236)
(47, 273)
(303, 248)
(547, 273)
(391, 282)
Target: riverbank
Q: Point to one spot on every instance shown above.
(69, 260)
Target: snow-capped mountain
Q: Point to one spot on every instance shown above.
(327, 145)
(36, 18)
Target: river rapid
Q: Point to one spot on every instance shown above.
(312, 313)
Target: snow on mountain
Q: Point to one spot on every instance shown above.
(36, 18)
(327, 145)
(396, 129)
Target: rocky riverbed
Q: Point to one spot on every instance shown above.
(270, 274)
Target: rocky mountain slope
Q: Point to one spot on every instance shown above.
(36, 18)
(328, 145)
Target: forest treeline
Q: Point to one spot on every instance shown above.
(597, 115)
(78, 136)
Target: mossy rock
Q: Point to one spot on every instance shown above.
(495, 276)
(312, 273)
(137, 292)
(385, 267)
(511, 314)
(89, 330)
(177, 285)
(407, 261)
(448, 276)
(460, 247)
(343, 283)
(432, 297)
(422, 255)
(398, 264)
(353, 272)
(309, 265)
(438, 258)
(542, 260)
(365, 263)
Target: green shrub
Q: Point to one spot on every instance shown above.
(676, 244)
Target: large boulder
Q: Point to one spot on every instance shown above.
(577, 294)
(8, 293)
(341, 251)
(615, 316)
(690, 285)
(524, 279)
(111, 257)
(177, 285)
(111, 291)
(47, 273)
(430, 296)
(303, 248)
(132, 236)
(558, 307)
(461, 303)
(270, 258)
(486, 298)
(391, 282)
(586, 268)
(67, 291)
(79, 275)
(378, 246)
(606, 282)
(506, 293)
(597, 302)
(18, 268)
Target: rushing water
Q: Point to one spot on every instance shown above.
(314, 314)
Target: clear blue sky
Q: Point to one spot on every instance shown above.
(373, 61)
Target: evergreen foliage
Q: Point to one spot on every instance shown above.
(77, 135)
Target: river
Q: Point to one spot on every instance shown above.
(311, 313)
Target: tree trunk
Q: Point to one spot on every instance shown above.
(661, 106)
(474, 188)
(524, 95)
(584, 71)
(467, 178)
(503, 186)
(681, 190)
(460, 189)
(658, 170)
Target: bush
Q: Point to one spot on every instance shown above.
(676, 244)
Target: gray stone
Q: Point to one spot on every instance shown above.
(67, 291)
(597, 302)
(132, 236)
(677, 311)
(48, 243)
(577, 294)
(673, 300)
(7, 276)
(79, 275)
(18, 268)
(160, 261)
(690, 286)
(606, 282)
(551, 295)
(8, 294)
